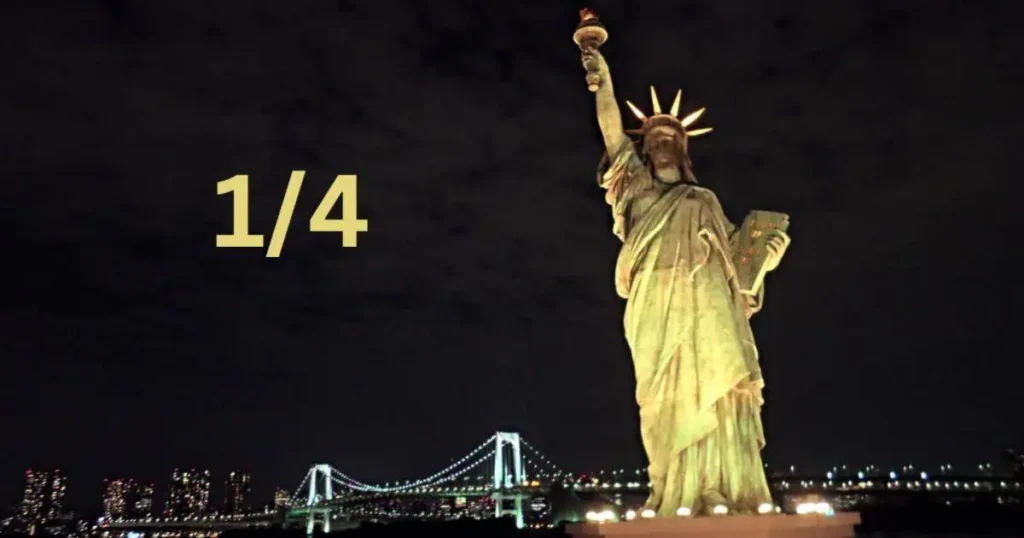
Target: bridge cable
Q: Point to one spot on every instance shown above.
(418, 488)
(361, 486)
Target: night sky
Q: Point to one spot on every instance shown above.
(482, 296)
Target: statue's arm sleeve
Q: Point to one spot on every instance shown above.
(621, 174)
(619, 168)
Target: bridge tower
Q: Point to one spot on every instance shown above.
(505, 478)
(314, 499)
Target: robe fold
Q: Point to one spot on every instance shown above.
(698, 378)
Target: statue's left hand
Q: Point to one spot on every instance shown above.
(777, 244)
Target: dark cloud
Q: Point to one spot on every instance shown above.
(481, 297)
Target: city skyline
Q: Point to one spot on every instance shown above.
(265, 493)
(848, 483)
(44, 493)
(280, 497)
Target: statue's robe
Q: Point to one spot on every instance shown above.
(699, 384)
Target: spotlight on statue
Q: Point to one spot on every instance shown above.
(820, 508)
(601, 517)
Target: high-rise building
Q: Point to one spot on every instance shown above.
(282, 499)
(176, 493)
(57, 487)
(35, 492)
(117, 494)
(126, 498)
(43, 499)
(236, 489)
(143, 502)
(189, 493)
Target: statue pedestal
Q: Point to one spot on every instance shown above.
(839, 525)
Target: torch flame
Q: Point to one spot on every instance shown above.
(587, 15)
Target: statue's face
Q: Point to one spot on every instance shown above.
(664, 146)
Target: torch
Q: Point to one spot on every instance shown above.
(590, 34)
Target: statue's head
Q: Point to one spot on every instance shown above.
(665, 146)
(665, 136)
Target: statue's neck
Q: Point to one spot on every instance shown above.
(668, 174)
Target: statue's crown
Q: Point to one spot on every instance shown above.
(668, 120)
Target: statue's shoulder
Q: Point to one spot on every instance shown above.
(702, 193)
(628, 151)
(707, 198)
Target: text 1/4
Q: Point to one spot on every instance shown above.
(348, 225)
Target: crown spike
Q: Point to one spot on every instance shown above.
(654, 101)
(675, 104)
(688, 120)
(636, 111)
(698, 132)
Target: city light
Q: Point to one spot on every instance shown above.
(720, 510)
(282, 499)
(765, 508)
(683, 511)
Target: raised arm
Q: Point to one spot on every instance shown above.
(608, 115)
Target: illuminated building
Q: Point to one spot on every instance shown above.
(116, 495)
(143, 505)
(124, 498)
(32, 501)
(189, 494)
(56, 493)
(282, 499)
(43, 499)
(236, 489)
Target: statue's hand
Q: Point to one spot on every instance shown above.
(777, 244)
(594, 63)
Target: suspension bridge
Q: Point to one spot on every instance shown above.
(326, 490)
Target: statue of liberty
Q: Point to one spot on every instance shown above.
(699, 384)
